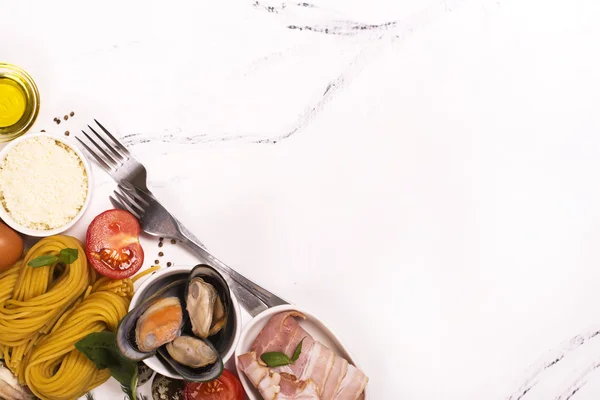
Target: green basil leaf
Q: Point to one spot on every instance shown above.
(43, 261)
(68, 256)
(101, 349)
(298, 350)
(275, 359)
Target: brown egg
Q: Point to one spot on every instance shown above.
(11, 247)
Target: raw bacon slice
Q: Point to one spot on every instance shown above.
(275, 386)
(302, 363)
(269, 387)
(338, 371)
(265, 381)
(292, 388)
(253, 370)
(319, 365)
(352, 385)
(280, 334)
(283, 333)
(315, 363)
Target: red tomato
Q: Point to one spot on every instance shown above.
(225, 387)
(112, 244)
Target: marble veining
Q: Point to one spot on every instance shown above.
(372, 40)
(581, 366)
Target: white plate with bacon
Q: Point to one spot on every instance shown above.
(317, 366)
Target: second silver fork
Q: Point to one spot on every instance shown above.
(120, 164)
(157, 221)
(114, 158)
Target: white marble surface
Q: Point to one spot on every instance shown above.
(427, 184)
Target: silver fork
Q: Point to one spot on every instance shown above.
(120, 164)
(117, 161)
(157, 221)
(115, 158)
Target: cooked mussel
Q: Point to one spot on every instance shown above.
(191, 351)
(205, 308)
(159, 324)
(205, 373)
(155, 321)
(221, 332)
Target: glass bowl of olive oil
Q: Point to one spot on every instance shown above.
(19, 102)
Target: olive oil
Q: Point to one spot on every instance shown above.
(12, 102)
(19, 102)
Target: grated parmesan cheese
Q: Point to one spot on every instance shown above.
(43, 183)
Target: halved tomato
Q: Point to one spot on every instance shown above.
(112, 244)
(225, 387)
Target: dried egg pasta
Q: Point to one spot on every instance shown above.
(45, 311)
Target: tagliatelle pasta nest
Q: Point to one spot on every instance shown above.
(45, 311)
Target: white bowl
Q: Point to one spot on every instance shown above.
(152, 282)
(318, 329)
(42, 233)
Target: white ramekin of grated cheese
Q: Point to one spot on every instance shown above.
(45, 184)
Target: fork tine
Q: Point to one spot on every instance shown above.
(133, 202)
(128, 205)
(116, 203)
(123, 206)
(117, 143)
(102, 163)
(108, 146)
(107, 156)
(144, 195)
(132, 191)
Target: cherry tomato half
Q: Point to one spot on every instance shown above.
(113, 246)
(225, 387)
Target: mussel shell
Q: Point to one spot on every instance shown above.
(223, 339)
(220, 342)
(203, 374)
(126, 330)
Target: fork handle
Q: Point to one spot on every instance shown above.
(254, 298)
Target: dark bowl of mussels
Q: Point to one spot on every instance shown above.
(183, 323)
